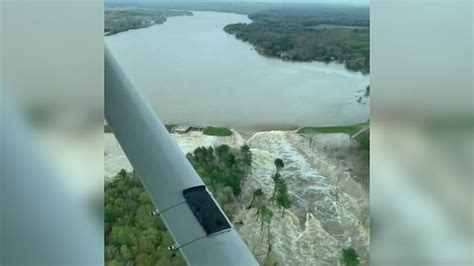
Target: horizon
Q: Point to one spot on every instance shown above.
(365, 3)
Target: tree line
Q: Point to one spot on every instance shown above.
(223, 170)
(293, 34)
(119, 20)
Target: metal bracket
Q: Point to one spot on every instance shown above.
(157, 212)
(154, 213)
(174, 247)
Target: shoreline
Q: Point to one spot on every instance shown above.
(289, 94)
(247, 133)
(106, 34)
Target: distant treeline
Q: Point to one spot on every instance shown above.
(318, 34)
(119, 20)
(297, 32)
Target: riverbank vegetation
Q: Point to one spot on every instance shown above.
(349, 257)
(322, 33)
(350, 130)
(224, 170)
(360, 132)
(122, 19)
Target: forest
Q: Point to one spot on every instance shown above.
(123, 19)
(133, 236)
(319, 33)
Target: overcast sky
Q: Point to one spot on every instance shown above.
(357, 2)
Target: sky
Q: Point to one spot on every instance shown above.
(352, 2)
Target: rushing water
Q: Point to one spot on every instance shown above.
(193, 72)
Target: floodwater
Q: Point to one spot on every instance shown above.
(192, 72)
(330, 209)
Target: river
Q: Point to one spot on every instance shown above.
(192, 72)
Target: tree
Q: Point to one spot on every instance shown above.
(283, 199)
(256, 198)
(246, 155)
(279, 164)
(277, 179)
(113, 263)
(269, 232)
(257, 201)
(123, 173)
(131, 235)
(349, 257)
(222, 151)
(266, 214)
(222, 167)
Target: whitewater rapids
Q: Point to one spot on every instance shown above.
(330, 204)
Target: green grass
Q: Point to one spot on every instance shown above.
(351, 130)
(217, 131)
(363, 138)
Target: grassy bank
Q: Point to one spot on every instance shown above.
(363, 138)
(217, 131)
(351, 130)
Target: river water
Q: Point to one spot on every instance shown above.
(192, 72)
